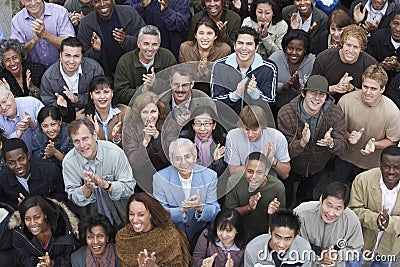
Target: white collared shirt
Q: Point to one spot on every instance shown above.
(305, 26)
(373, 14)
(73, 81)
(394, 43)
(186, 184)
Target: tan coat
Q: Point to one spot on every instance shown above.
(366, 202)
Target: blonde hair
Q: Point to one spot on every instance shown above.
(376, 73)
(356, 32)
(143, 100)
(252, 117)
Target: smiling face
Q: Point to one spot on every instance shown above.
(139, 217)
(313, 101)
(104, 8)
(295, 51)
(12, 62)
(85, 142)
(203, 125)
(102, 97)
(227, 236)
(34, 7)
(371, 92)
(350, 51)
(51, 127)
(335, 32)
(304, 7)
(96, 240)
(150, 114)
(148, 46)
(35, 221)
(378, 4)
(205, 37)
(395, 28)
(183, 160)
(281, 239)
(71, 59)
(181, 88)
(331, 209)
(264, 13)
(390, 168)
(256, 174)
(214, 8)
(245, 49)
(8, 107)
(18, 162)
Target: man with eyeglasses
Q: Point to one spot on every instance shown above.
(251, 193)
(18, 115)
(187, 190)
(139, 67)
(182, 99)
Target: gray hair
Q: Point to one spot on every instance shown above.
(181, 142)
(8, 44)
(149, 29)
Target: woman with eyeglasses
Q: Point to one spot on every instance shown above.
(209, 137)
(142, 141)
(23, 75)
(97, 234)
(51, 140)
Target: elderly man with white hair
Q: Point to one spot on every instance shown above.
(187, 190)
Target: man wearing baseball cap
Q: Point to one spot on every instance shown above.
(315, 130)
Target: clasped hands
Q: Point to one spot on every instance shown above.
(355, 136)
(251, 86)
(193, 202)
(92, 180)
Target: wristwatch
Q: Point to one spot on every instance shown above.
(331, 145)
(108, 187)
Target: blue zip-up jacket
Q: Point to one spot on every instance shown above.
(226, 75)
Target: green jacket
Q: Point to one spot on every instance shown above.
(129, 72)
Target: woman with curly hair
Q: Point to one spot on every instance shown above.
(22, 74)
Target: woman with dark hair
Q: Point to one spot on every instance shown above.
(223, 244)
(22, 74)
(330, 38)
(101, 110)
(266, 19)
(44, 232)
(228, 22)
(295, 63)
(51, 139)
(205, 45)
(150, 236)
(209, 136)
(97, 234)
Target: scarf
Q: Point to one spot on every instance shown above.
(106, 260)
(205, 156)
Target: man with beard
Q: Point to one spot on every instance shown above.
(252, 192)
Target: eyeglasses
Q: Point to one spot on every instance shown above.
(187, 157)
(205, 124)
(5, 100)
(183, 85)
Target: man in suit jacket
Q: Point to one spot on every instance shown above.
(187, 190)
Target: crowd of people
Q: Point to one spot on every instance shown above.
(196, 133)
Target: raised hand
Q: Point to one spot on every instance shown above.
(241, 87)
(146, 259)
(383, 219)
(149, 80)
(222, 28)
(95, 42)
(93, 119)
(273, 206)
(344, 84)
(369, 147)
(164, 5)
(71, 96)
(208, 262)
(358, 14)
(294, 23)
(150, 130)
(219, 152)
(50, 150)
(119, 35)
(252, 86)
(305, 135)
(370, 26)
(262, 29)
(21, 197)
(29, 83)
(38, 27)
(144, 3)
(4, 83)
(117, 132)
(229, 261)
(312, 28)
(253, 201)
(328, 140)
(45, 261)
(61, 100)
(355, 136)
